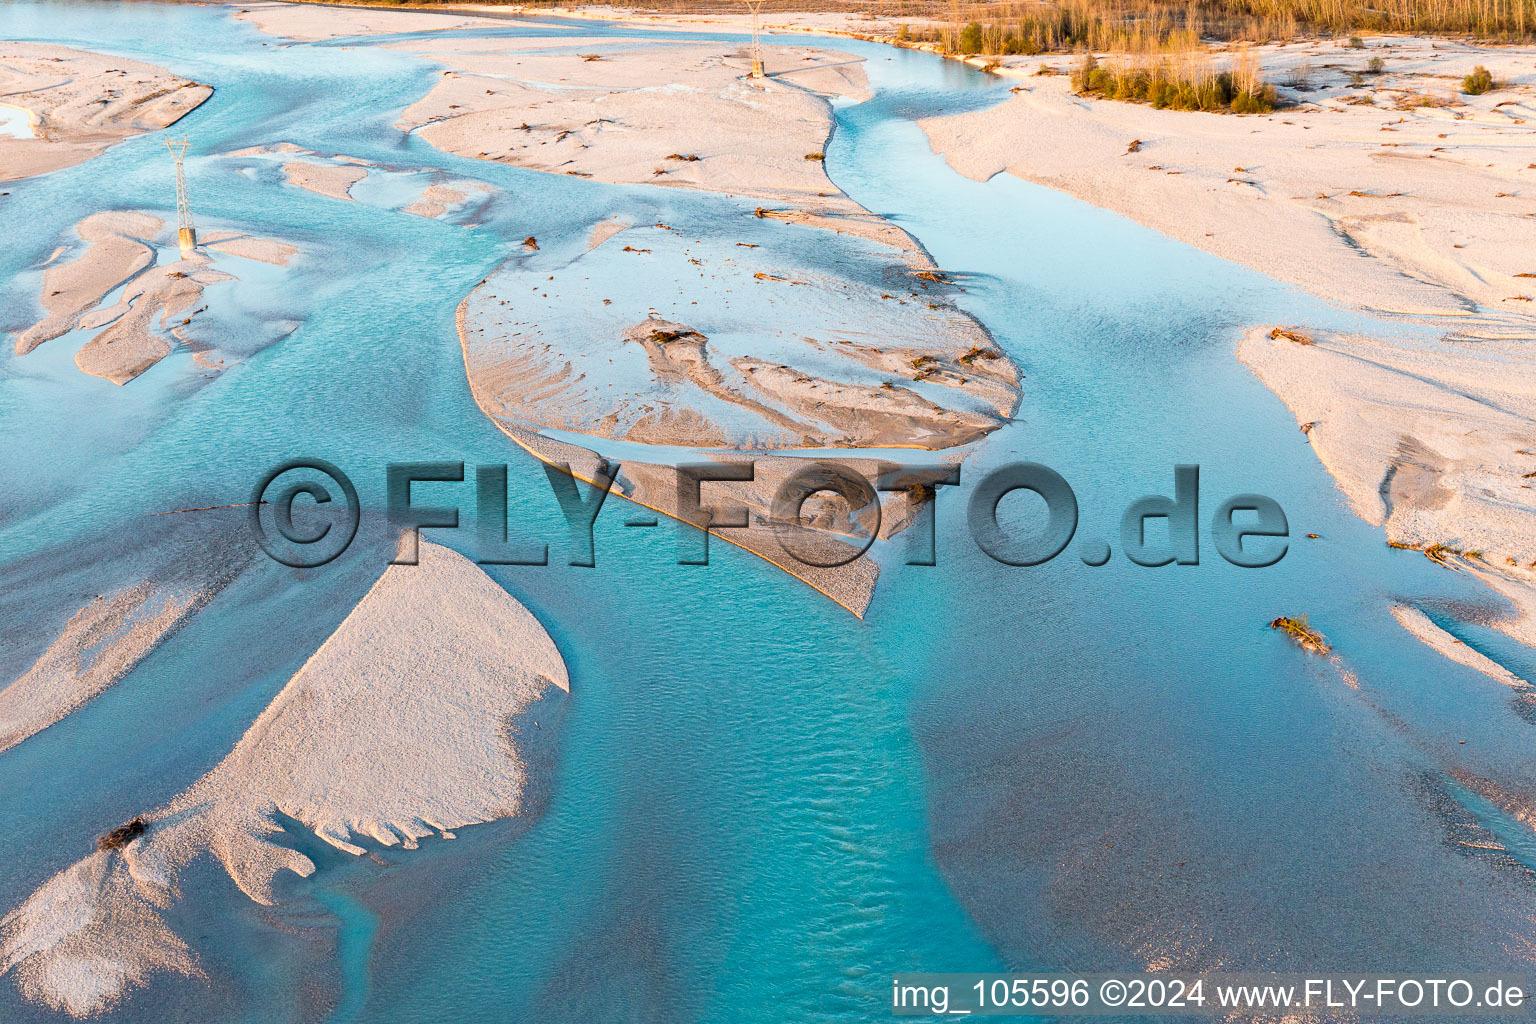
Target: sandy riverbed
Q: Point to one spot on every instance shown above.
(675, 114)
(307, 23)
(734, 348)
(157, 303)
(1386, 192)
(79, 103)
(354, 746)
(1390, 193)
(654, 336)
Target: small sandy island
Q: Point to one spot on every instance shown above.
(658, 337)
(367, 738)
(679, 114)
(157, 302)
(1382, 188)
(774, 353)
(79, 103)
(1422, 626)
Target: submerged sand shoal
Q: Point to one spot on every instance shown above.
(113, 632)
(335, 176)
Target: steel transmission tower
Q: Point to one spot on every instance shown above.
(757, 38)
(186, 234)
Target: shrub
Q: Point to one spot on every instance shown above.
(1478, 82)
(970, 38)
(903, 32)
(1356, 43)
(1375, 65)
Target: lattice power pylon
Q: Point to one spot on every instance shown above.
(757, 38)
(186, 234)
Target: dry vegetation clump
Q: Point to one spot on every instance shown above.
(1183, 81)
(662, 335)
(1411, 100)
(1302, 634)
(1442, 553)
(1290, 335)
(122, 835)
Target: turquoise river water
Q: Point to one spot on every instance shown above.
(764, 806)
